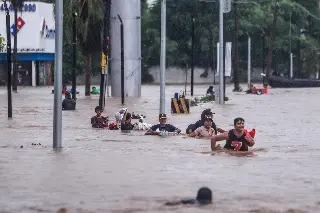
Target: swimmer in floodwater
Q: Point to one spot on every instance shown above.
(206, 130)
(237, 139)
(204, 197)
(95, 91)
(162, 126)
(68, 103)
(99, 121)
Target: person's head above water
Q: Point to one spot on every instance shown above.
(67, 95)
(204, 196)
(207, 122)
(205, 113)
(238, 124)
(128, 118)
(162, 118)
(98, 110)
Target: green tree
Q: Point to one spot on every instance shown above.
(89, 31)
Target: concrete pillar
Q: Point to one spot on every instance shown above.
(130, 12)
(33, 74)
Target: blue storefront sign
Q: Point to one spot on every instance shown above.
(26, 7)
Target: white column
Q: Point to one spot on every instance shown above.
(34, 74)
(130, 12)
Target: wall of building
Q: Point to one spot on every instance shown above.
(37, 33)
(176, 75)
(35, 39)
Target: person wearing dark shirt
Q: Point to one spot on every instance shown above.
(204, 115)
(204, 197)
(126, 124)
(237, 139)
(68, 103)
(210, 91)
(99, 121)
(162, 126)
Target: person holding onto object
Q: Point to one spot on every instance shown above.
(162, 126)
(205, 114)
(237, 139)
(204, 131)
(99, 121)
(126, 121)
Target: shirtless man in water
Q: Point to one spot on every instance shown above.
(236, 139)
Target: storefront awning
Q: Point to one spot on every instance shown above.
(30, 56)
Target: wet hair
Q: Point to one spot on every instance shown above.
(97, 108)
(236, 120)
(204, 195)
(128, 116)
(206, 112)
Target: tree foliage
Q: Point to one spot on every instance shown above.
(262, 20)
(269, 20)
(2, 43)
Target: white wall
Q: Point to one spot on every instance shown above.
(29, 36)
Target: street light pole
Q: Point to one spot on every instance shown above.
(290, 48)
(74, 55)
(9, 79)
(163, 57)
(57, 109)
(221, 62)
(122, 59)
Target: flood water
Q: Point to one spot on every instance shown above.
(109, 171)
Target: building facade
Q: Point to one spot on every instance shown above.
(36, 43)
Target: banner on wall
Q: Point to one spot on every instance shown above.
(227, 62)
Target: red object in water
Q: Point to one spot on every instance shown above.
(259, 91)
(64, 90)
(252, 133)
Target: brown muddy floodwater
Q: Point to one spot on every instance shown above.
(106, 171)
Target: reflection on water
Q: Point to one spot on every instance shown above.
(107, 171)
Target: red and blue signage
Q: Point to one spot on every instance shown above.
(20, 24)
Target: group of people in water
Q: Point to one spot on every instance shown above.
(237, 139)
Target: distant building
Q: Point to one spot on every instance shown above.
(36, 43)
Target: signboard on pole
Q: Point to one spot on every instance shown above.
(227, 6)
(227, 62)
(228, 57)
